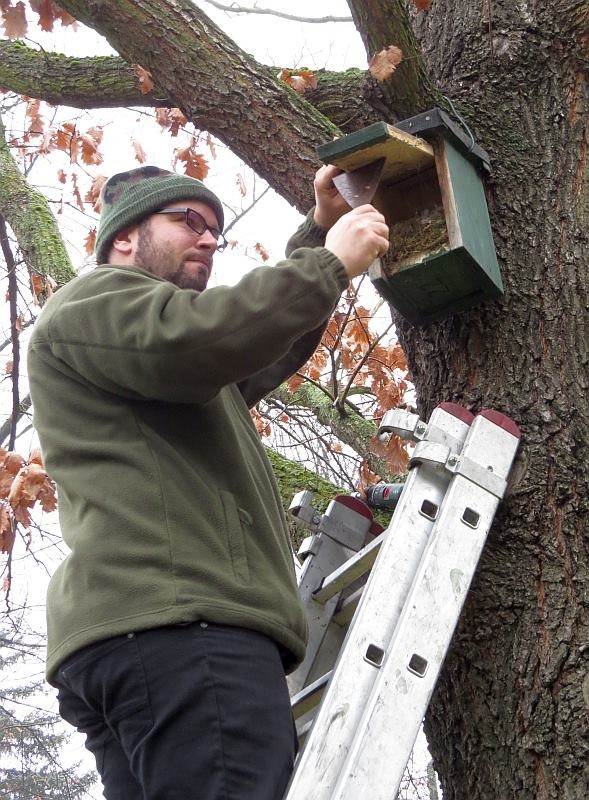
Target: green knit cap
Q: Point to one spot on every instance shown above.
(130, 196)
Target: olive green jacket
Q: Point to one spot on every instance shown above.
(167, 501)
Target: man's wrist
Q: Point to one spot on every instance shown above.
(321, 221)
(313, 228)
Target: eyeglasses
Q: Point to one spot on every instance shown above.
(197, 223)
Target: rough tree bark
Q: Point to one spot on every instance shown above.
(510, 717)
(514, 695)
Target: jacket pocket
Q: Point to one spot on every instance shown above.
(235, 520)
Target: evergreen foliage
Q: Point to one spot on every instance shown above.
(31, 742)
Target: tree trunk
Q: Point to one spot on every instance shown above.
(510, 716)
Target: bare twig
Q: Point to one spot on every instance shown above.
(26, 324)
(25, 648)
(341, 399)
(235, 8)
(36, 155)
(310, 444)
(26, 537)
(333, 350)
(8, 578)
(351, 299)
(242, 214)
(12, 294)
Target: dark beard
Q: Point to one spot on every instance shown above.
(152, 258)
(146, 255)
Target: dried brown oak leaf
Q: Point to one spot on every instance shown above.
(195, 164)
(385, 62)
(299, 79)
(90, 241)
(15, 21)
(144, 77)
(7, 531)
(31, 484)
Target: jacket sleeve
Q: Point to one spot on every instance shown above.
(309, 234)
(127, 332)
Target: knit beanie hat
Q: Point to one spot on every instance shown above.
(130, 196)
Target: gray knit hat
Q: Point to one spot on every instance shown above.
(130, 196)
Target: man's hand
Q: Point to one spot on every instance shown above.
(329, 204)
(358, 238)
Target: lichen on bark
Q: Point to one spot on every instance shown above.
(27, 212)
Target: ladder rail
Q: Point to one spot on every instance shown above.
(344, 528)
(413, 668)
(374, 622)
(331, 554)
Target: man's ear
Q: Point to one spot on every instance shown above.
(124, 242)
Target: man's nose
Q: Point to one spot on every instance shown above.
(207, 241)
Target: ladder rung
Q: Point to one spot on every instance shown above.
(303, 731)
(351, 570)
(310, 696)
(344, 614)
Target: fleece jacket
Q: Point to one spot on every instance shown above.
(167, 501)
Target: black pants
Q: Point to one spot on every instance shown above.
(189, 712)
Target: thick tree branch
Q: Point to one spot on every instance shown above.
(292, 478)
(409, 90)
(110, 82)
(214, 83)
(27, 212)
(6, 426)
(339, 96)
(222, 89)
(96, 82)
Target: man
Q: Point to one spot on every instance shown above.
(175, 615)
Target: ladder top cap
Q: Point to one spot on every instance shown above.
(502, 420)
(460, 412)
(354, 504)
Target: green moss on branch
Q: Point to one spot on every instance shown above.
(30, 218)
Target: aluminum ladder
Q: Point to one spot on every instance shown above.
(382, 608)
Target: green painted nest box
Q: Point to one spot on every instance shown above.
(442, 258)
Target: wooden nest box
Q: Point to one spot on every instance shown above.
(442, 258)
